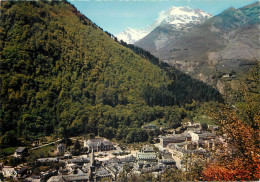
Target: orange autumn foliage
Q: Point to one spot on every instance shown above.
(241, 160)
(236, 170)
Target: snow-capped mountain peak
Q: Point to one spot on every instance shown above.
(180, 16)
(131, 35)
(177, 17)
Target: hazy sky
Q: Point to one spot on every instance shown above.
(116, 15)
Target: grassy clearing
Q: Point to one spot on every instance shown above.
(158, 123)
(204, 119)
(47, 151)
(8, 151)
(200, 114)
(49, 139)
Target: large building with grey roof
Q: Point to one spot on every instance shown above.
(164, 141)
(99, 144)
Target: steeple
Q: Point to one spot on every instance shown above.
(92, 158)
(92, 167)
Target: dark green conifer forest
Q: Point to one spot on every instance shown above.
(62, 75)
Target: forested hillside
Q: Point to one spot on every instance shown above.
(62, 75)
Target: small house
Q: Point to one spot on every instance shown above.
(148, 157)
(21, 151)
(9, 172)
(61, 148)
(147, 149)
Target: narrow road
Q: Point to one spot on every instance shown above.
(45, 145)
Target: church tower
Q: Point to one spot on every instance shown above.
(92, 158)
(92, 167)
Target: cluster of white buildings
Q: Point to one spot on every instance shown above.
(192, 141)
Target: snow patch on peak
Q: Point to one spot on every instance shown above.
(131, 35)
(178, 17)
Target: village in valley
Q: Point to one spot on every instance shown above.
(98, 159)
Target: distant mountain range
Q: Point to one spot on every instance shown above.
(228, 42)
(178, 18)
(233, 34)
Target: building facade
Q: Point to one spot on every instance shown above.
(98, 145)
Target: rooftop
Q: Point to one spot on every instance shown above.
(98, 141)
(147, 148)
(146, 155)
(20, 149)
(76, 177)
(102, 172)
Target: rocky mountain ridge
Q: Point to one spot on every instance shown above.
(181, 18)
(228, 42)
